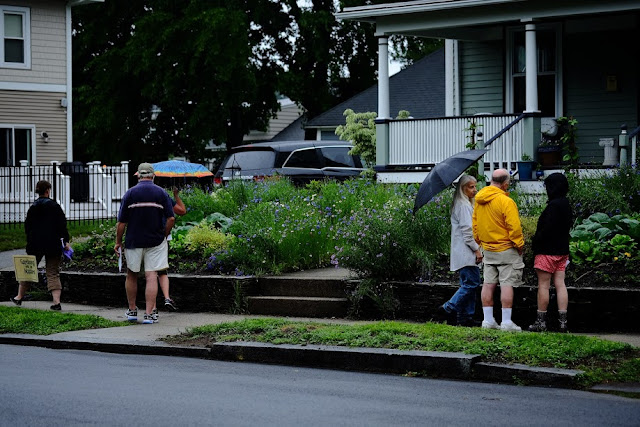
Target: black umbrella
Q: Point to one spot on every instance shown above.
(443, 174)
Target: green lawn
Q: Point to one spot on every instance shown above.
(13, 237)
(600, 359)
(18, 320)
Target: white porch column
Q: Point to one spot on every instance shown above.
(383, 78)
(382, 122)
(531, 74)
(451, 80)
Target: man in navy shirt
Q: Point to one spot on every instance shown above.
(147, 216)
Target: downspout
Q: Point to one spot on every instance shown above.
(69, 87)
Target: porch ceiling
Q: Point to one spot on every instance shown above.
(474, 19)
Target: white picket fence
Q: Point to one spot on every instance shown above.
(106, 186)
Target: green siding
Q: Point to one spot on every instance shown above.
(481, 77)
(588, 59)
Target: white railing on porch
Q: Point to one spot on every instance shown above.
(430, 141)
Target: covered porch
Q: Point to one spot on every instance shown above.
(505, 59)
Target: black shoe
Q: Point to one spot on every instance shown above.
(56, 307)
(469, 323)
(443, 316)
(16, 301)
(170, 304)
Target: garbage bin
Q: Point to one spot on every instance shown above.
(79, 176)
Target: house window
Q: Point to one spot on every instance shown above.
(549, 96)
(15, 47)
(15, 145)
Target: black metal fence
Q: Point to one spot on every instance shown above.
(86, 193)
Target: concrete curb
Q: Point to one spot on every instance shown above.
(430, 363)
(130, 347)
(523, 374)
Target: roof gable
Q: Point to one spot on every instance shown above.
(418, 89)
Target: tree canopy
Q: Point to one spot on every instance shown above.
(166, 77)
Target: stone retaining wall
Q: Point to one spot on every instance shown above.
(590, 309)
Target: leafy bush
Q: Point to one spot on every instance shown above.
(600, 194)
(205, 239)
(601, 238)
(388, 242)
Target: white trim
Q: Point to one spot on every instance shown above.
(69, 85)
(26, 33)
(83, 2)
(33, 87)
(413, 6)
(32, 128)
(532, 9)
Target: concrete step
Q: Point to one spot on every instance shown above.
(301, 287)
(298, 306)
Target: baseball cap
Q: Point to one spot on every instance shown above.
(145, 170)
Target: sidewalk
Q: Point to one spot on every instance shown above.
(144, 339)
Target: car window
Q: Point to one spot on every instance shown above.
(337, 157)
(251, 160)
(305, 158)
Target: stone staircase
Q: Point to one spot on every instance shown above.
(295, 297)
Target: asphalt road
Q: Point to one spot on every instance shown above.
(67, 387)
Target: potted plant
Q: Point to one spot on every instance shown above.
(550, 151)
(525, 168)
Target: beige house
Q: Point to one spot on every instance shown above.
(35, 81)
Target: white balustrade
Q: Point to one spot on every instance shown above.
(430, 141)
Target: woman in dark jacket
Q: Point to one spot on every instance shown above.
(551, 250)
(47, 236)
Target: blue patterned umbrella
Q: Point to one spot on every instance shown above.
(179, 169)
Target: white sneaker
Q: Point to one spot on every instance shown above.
(490, 325)
(510, 326)
(132, 315)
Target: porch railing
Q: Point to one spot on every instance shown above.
(429, 141)
(634, 137)
(84, 193)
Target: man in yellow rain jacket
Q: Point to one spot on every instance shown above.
(496, 227)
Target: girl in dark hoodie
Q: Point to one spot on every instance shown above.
(551, 250)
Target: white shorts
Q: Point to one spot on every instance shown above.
(155, 258)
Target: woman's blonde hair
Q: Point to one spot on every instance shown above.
(459, 195)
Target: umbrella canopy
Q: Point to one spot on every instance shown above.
(443, 174)
(179, 168)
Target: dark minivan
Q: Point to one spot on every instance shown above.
(301, 161)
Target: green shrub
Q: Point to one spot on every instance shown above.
(588, 196)
(601, 238)
(388, 242)
(205, 239)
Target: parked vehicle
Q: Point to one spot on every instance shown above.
(301, 161)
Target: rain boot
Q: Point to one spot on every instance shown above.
(562, 319)
(540, 325)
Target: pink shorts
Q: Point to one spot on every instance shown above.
(551, 263)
